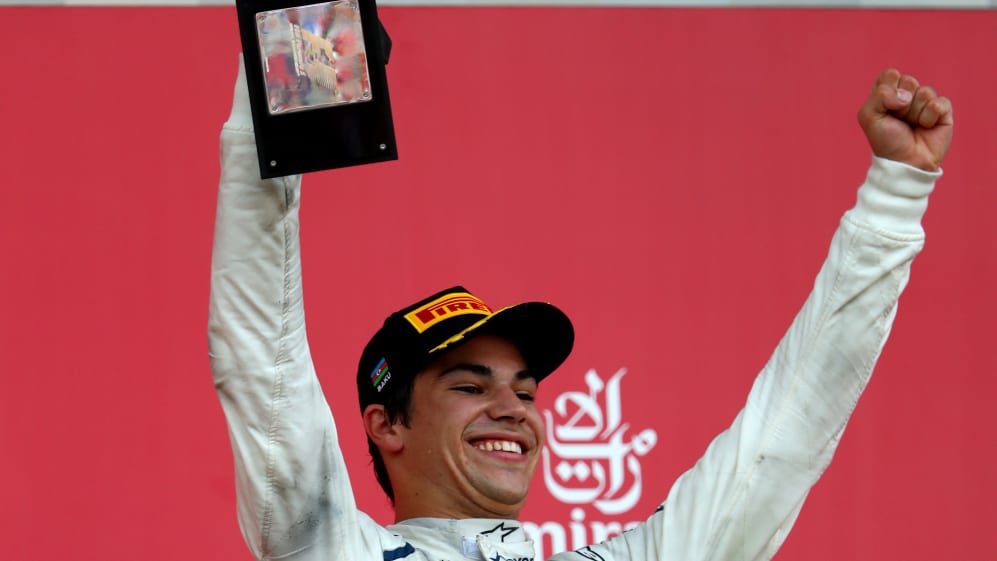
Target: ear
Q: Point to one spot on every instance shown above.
(385, 434)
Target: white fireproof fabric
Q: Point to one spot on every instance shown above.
(738, 502)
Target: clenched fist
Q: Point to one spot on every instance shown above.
(907, 122)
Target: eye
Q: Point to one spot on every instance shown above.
(468, 389)
(526, 396)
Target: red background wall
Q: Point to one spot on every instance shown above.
(670, 177)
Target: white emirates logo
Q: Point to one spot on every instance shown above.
(589, 454)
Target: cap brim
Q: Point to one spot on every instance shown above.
(542, 333)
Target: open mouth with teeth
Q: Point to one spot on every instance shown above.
(498, 446)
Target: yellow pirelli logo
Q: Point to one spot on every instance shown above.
(447, 306)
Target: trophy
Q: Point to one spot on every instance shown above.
(317, 85)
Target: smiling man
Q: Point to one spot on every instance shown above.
(447, 399)
(447, 385)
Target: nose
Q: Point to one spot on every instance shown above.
(506, 404)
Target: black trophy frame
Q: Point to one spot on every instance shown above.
(324, 137)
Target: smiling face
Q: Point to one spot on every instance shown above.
(473, 438)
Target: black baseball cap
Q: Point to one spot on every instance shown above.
(413, 337)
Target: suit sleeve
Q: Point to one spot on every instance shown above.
(742, 497)
(293, 491)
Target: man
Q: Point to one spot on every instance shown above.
(452, 381)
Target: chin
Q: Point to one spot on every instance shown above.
(512, 498)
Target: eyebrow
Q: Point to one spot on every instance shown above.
(481, 370)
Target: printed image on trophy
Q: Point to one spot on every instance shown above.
(313, 56)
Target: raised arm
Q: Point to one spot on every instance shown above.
(294, 496)
(742, 497)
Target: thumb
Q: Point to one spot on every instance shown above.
(896, 99)
(888, 96)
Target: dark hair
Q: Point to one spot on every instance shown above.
(397, 408)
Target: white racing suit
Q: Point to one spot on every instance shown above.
(737, 503)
